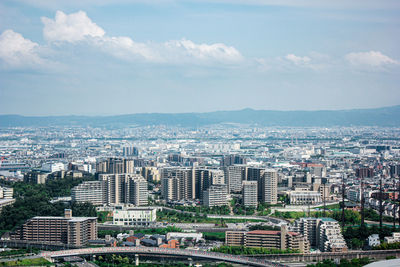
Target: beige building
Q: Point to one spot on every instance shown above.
(76, 231)
(125, 188)
(268, 239)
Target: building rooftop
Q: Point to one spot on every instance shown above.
(264, 232)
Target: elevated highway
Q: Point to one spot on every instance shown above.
(159, 252)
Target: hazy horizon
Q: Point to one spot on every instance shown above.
(183, 112)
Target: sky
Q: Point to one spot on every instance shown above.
(105, 57)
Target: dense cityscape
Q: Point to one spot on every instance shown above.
(226, 188)
(206, 133)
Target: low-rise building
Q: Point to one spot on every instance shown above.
(392, 239)
(305, 197)
(373, 240)
(137, 216)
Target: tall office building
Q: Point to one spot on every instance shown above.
(268, 187)
(250, 193)
(94, 192)
(234, 175)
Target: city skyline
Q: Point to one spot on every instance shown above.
(126, 57)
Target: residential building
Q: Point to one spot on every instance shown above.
(215, 195)
(234, 176)
(125, 188)
(250, 193)
(94, 192)
(322, 233)
(76, 231)
(268, 239)
(268, 187)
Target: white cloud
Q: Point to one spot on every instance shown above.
(187, 49)
(298, 60)
(369, 59)
(70, 28)
(78, 26)
(16, 51)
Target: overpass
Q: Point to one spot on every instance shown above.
(150, 251)
(315, 257)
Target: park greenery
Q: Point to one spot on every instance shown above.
(356, 236)
(221, 210)
(172, 216)
(22, 251)
(242, 250)
(343, 263)
(351, 217)
(35, 200)
(214, 236)
(385, 246)
(27, 262)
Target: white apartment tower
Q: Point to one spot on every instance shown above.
(250, 193)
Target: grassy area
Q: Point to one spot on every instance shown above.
(176, 217)
(218, 236)
(27, 262)
(18, 252)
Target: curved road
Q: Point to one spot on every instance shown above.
(160, 251)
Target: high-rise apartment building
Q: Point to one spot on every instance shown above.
(94, 192)
(268, 187)
(215, 195)
(129, 151)
(250, 193)
(125, 188)
(178, 184)
(322, 233)
(116, 165)
(234, 175)
(229, 160)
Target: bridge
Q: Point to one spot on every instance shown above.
(150, 251)
(315, 257)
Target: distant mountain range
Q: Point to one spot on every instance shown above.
(387, 116)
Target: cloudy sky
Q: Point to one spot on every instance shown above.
(100, 57)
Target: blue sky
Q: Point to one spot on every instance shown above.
(117, 57)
